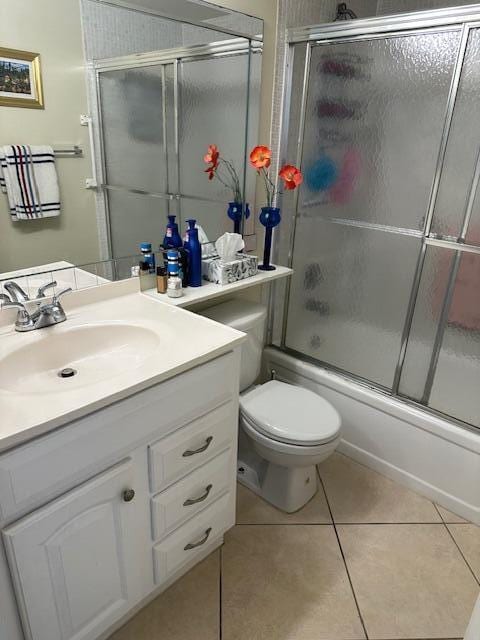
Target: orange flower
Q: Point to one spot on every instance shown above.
(212, 156)
(291, 176)
(260, 157)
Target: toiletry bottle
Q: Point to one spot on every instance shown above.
(172, 237)
(174, 284)
(194, 249)
(162, 280)
(183, 263)
(148, 255)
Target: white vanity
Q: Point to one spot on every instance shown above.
(115, 481)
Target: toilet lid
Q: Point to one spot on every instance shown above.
(290, 414)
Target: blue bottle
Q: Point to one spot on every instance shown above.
(194, 248)
(172, 237)
(148, 255)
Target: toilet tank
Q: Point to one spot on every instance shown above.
(249, 317)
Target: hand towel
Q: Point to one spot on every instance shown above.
(5, 185)
(30, 181)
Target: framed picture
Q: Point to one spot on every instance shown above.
(20, 79)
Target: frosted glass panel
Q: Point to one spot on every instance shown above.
(349, 296)
(132, 108)
(473, 231)
(455, 388)
(374, 119)
(462, 150)
(428, 309)
(213, 109)
(211, 215)
(135, 219)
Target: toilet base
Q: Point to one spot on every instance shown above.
(287, 488)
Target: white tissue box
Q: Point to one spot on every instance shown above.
(214, 270)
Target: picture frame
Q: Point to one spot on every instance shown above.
(20, 79)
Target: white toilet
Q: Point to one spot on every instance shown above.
(285, 430)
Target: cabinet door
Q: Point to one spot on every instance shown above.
(73, 561)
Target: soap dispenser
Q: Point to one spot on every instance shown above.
(194, 248)
(172, 237)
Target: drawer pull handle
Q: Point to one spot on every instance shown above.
(194, 545)
(128, 495)
(191, 501)
(192, 452)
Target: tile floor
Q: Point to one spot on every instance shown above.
(365, 559)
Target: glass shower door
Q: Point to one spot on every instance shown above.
(442, 364)
(374, 117)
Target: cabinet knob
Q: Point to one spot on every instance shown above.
(128, 495)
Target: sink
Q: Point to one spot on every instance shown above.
(116, 341)
(89, 353)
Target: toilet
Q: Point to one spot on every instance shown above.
(285, 430)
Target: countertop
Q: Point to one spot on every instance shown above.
(182, 340)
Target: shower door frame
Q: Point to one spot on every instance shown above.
(168, 57)
(462, 20)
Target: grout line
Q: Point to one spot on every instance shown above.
(456, 543)
(220, 603)
(464, 521)
(477, 580)
(346, 524)
(283, 524)
(343, 556)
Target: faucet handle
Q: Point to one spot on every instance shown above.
(57, 297)
(9, 304)
(4, 298)
(44, 287)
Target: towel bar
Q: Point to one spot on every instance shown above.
(75, 151)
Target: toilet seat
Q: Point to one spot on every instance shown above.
(291, 415)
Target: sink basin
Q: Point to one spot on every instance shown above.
(95, 352)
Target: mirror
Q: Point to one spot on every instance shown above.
(133, 94)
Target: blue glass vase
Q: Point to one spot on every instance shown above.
(236, 211)
(270, 218)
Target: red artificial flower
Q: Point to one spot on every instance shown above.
(291, 176)
(260, 157)
(212, 156)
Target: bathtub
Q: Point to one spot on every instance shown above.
(428, 454)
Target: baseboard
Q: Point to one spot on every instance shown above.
(412, 482)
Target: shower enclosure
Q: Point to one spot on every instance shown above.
(156, 113)
(383, 117)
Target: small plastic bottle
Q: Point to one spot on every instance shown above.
(172, 237)
(174, 284)
(148, 255)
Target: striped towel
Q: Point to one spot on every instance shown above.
(29, 178)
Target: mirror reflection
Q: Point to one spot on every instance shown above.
(132, 97)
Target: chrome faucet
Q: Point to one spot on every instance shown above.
(45, 314)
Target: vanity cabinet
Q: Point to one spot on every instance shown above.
(74, 560)
(101, 515)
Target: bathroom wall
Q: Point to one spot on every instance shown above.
(34, 26)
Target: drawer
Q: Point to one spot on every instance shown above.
(34, 473)
(179, 453)
(192, 538)
(185, 498)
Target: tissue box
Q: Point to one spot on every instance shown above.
(214, 270)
